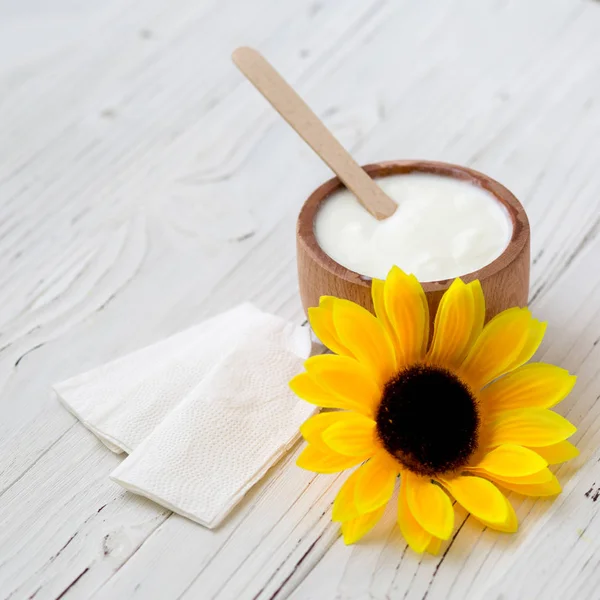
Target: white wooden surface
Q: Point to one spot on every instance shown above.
(144, 186)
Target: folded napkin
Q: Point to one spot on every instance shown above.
(223, 437)
(203, 414)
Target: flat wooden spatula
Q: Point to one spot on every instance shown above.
(312, 130)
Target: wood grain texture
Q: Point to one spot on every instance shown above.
(505, 281)
(145, 186)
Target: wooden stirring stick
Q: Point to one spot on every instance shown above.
(312, 130)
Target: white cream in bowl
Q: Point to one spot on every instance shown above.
(443, 228)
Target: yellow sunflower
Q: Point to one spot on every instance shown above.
(455, 417)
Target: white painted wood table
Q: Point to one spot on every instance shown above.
(144, 185)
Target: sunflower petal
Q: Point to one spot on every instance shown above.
(408, 313)
(354, 436)
(416, 537)
(305, 387)
(510, 525)
(498, 347)
(344, 508)
(548, 488)
(425, 308)
(478, 496)
(537, 329)
(356, 528)
(352, 384)
(512, 461)
(454, 326)
(312, 429)
(434, 546)
(531, 427)
(536, 385)
(378, 296)
(314, 459)
(321, 322)
(478, 310)
(365, 337)
(376, 482)
(542, 476)
(430, 505)
(557, 453)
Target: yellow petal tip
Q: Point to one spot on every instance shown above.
(299, 464)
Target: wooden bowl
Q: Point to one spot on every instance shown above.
(505, 281)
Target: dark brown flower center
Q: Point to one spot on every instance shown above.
(428, 420)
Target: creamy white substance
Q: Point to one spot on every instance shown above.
(443, 228)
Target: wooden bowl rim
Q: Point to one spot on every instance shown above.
(518, 216)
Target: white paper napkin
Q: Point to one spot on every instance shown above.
(124, 400)
(208, 409)
(223, 437)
